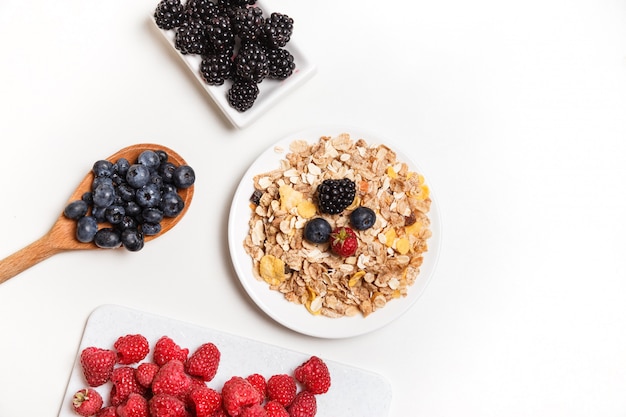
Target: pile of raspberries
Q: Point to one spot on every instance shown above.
(175, 383)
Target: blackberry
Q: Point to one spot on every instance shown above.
(248, 23)
(203, 10)
(215, 69)
(251, 62)
(169, 14)
(281, 63)
(277, 30)
(219, 33)
(233, 4)
(242, 94)
(333, 196)
(191, 38)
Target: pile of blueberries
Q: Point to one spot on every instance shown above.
(128, 201)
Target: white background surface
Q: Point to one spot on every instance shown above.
(516, 110)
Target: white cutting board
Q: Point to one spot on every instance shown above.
(354, 392)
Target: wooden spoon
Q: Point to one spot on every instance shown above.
(62, 236)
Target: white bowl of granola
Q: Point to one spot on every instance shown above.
(306, 287)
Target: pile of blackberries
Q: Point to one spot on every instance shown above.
(236, 41)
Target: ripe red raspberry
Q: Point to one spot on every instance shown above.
(258, 381)
(165, 349)
(314, 375)
(237, 393)
(204, 401)
(343, 241)
(124, 383)
(131, 348)
(171, 379)
(107, 412)
(163, 405)
(282, 388)
(275, 409)
(97, 365)
(145, 373)
(135, 406)
(87, 402)
(204, 362)
(304, 405)
(254, 410)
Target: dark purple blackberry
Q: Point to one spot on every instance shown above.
(191, 38)
(277, 30)
(215, 69)
(203, 10)
(251, 62)
(333, 196)
(248, 23)
(242, 94)
(169, 14)
(281, 63)
(219, 33)
(231, 4)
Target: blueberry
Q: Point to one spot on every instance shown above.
(103, 195)
(86, 229)
(163, 156)
(317, 230)
(151, 229)
(132, 209)
(172, 204)
(107, 238)
(127, 222)
(155, 178)
(114, 214)
(166, 170)
(184, 176)
(362, 218)
(101, 180)
(132, 239)
(168, 188)
(148, 196)
(126, 192)
(138, 175)
(99, 213)
(152, 215)
(76, 209)
(87, 197)
(121, 167)
(149, 159)
(102, 168)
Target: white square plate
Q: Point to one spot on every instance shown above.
(353, 392)
(270, 91)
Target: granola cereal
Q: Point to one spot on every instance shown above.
(389, 256)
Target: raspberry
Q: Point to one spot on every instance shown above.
(343, 241)
(314, 375)
(204, 401)
(304, 405)
(204, 362)
(145, 373)
(258, 381)
(165, 349)
(97, 365)
(163, 405)
(275, 409)
(124, 383)
(109, 411)
(135, 406)
(131, 348)
(172, 380)
(87, 402)
(255, 410)
(282, 388)
(238, 393)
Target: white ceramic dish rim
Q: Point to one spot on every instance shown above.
(294, 316)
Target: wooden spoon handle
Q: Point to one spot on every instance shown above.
(23, 259)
